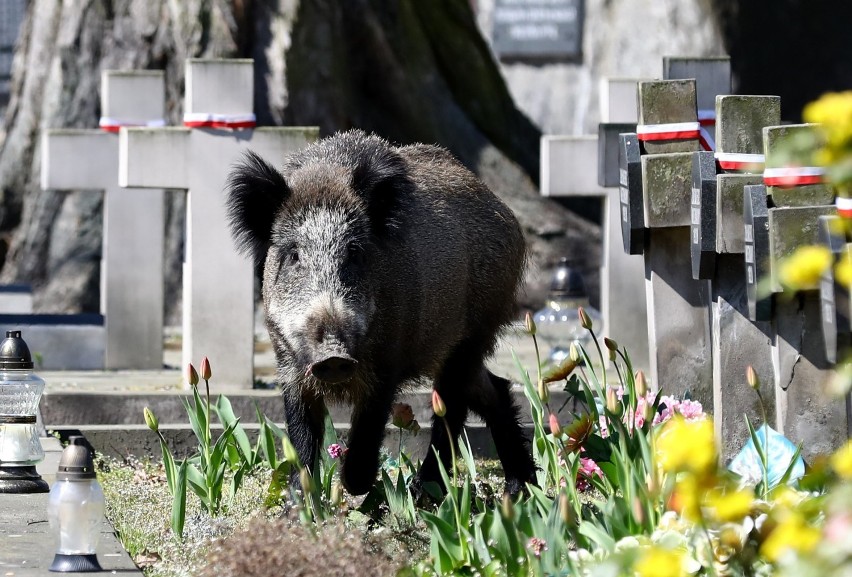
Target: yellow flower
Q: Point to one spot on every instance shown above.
(841, 461)
(658, 562)
(833, 111)
(686, 498)
(730, 506)
(843, 269)
(792, 534)
(686, 446)
(803, 268)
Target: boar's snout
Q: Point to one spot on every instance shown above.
(334, 369)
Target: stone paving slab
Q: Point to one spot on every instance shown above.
(26, 545)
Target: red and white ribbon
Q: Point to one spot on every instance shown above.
(793, 175)
(844, 206)
(740, 161)
(209, 120)
(108, 124)
(671, 131)
(707, 121)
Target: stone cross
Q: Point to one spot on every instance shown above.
(218, 283)
(132, 254)
(737, 341)
(623, 281)
(678, 305)
(573, 166)
(806, 413)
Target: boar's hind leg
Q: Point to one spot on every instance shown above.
(492, 400)
(305, 423)
(369, 419)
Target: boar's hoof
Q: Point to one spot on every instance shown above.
(334, 370)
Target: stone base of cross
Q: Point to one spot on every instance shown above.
(218, 283)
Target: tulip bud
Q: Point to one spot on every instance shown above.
(555, 429)
(585, 320)
(641, 384)
(574, 353)
(613, 405)
(543, 391)
(191, 375)
(508, 508)
(438, 406)
(306, 481)
(206, 373)
(336, 493)
(610, 344)
(290, 452)
(150, 419)
(529, 324)
(638, 510)
(566, 511)
(752, 378)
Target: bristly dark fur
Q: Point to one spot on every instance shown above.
(379, 174)
(256, 192)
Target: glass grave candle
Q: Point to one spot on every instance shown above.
(20, 393)
(558, 323)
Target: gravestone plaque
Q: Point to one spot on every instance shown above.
(633, 232)
(756, 249)
(538, 30)
(703, 233)
(608, 135)
(836, 329)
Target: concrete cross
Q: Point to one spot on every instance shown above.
(737, 341)
(132, 254)
(678, 305)
(218, 283)
(802, 372)
(578, 166)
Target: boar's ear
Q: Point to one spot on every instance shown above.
(255, 192)
(381, 178)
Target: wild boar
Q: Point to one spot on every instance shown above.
(382, 266)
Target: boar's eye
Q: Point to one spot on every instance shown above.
(291, 256)
(355, 255)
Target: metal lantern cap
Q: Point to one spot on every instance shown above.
(567, 281)
(14, 352)
(76, 462)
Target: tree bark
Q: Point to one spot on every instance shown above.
(405, 69)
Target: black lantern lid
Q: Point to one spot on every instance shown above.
(14, 352)
(76, 461)
(567, 282)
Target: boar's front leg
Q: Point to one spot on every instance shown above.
(305, 426)
(369, 419)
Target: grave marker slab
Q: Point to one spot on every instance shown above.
(133, 221)
(218, 282)
(834, 295)
(633, 231)
(703, 213)
(756, 250)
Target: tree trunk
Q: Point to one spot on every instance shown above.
(405, 69)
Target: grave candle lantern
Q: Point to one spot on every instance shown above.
(558, 323)
(75, 509)
(20, 392)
